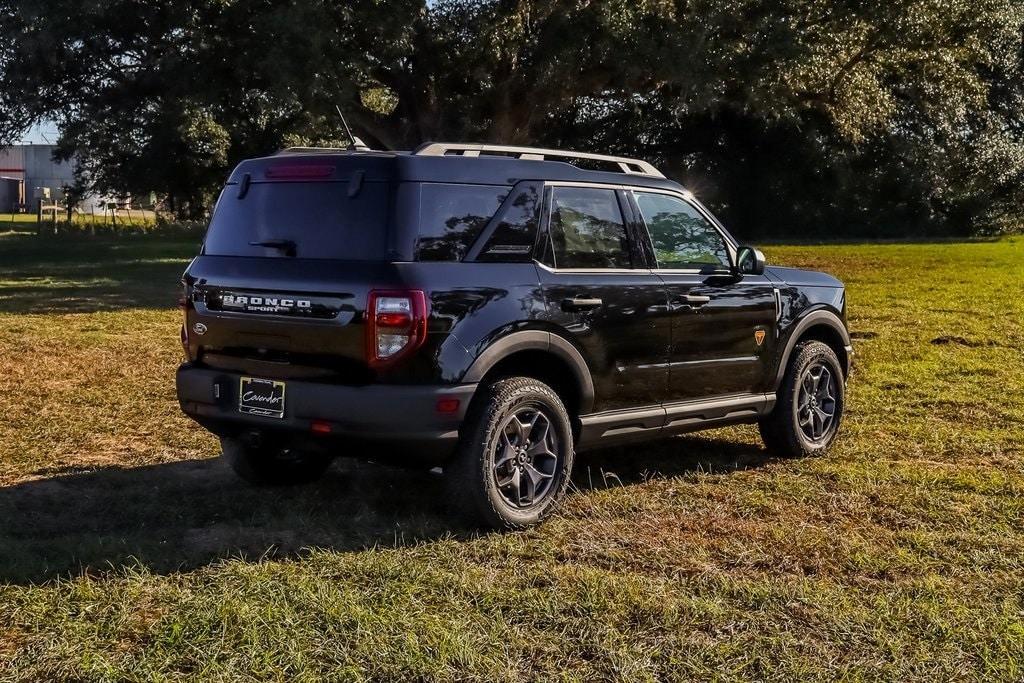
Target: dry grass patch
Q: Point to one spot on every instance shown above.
(131, 553)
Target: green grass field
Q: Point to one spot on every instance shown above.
(17, 219)
(137, 218)
(129, 552)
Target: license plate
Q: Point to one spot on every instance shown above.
(263, 397)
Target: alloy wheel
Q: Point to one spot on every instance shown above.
(816, 403)
(526, 457)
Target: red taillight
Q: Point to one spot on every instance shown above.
(183, 296)
(396, 320)
(320, 427)
(396, 325)
(183, 304)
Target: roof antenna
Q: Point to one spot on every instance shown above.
(356, 145)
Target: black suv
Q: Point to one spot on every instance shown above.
(491, 310)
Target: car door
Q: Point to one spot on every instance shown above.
(601, 292)
(723, 325)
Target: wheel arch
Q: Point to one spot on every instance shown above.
(544, 356)
(820, 325)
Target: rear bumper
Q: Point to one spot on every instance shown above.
(404, 417)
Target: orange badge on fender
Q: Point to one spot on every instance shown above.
(759, 337)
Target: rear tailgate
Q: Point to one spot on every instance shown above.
(285, 317)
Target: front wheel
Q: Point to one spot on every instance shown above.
(272, 464)
(514, 460)
(810, 403)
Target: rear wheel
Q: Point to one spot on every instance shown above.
(513, 464)
(810, 403)
(272, 464)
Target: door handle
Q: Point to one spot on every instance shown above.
(692, 300)
(580, 304)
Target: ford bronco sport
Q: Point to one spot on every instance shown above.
(491, 310)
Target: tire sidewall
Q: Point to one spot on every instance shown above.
(501, 404)
(814, 352)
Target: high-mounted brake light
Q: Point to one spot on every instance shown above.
(396, 325)
(299, 172)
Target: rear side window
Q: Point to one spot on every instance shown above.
(587, 229)
(452, 216)
(514, 235)
(320, 218)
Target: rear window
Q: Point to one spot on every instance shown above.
(320, 218)
(452, 216)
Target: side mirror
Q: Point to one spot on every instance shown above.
(749, 261)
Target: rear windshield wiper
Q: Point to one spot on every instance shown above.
(287, 246)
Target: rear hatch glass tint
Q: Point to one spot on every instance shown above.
(307, 219)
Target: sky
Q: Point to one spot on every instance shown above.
(41, 134)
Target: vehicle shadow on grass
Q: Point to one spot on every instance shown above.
(183, 515)
(663, 459)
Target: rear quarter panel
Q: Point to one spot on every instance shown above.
(467, 315)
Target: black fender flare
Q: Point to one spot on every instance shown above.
(812, 319)
(536, 340)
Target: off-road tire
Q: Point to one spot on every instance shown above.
(781, 430)
(471, 477)
(272, 464)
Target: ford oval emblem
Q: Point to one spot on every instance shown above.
(199, 328)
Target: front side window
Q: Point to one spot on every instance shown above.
(587, 229)
(681, 236)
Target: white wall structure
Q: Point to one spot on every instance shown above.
(34, 166)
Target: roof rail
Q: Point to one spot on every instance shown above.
(626, 165)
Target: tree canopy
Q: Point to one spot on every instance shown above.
(790, 117)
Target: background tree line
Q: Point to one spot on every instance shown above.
(790, 118)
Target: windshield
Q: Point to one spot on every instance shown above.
(313, 219)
